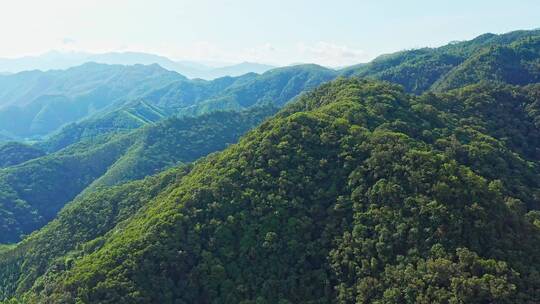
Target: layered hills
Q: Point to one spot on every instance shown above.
(411, 179)
(357, 192)
(31, 193)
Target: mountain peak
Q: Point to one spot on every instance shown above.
(59, 60)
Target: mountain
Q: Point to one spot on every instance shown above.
(56, 60)
(277, 87)
(195, 97)
(32, 193)
(104, 150)
(35, 103)
(356, 192)
(97, 97)
(88, 218)
(516, 63)
(497, 57)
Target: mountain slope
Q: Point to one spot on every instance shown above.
(86, 219)
(22, 88)
(125, 119)
(32, 193)
(196, 97)
(183, 140)
(36, 103)
(427, 68)
(517, 63)
(276, 87)
(357, 192)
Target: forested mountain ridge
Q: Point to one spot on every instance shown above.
(356, 192)
(155, 105)
(32, 193)
(181, 140)
(105, 151)
(497, 57)
(517, 63)
(181, 98)
(79, 225)
(103, 95)
(36, 103)
(275, 87)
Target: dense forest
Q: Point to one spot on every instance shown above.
(357, 192)
(32, 193)
(81, 223)
(414, 178)
(510, 58)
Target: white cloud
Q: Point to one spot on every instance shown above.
(323, 53)
(198, 51)
(169, 29)
(207, 51)
(330, 54)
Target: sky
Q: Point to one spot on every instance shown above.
(332, 33)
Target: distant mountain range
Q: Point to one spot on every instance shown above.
(55, 60)
(34, 104)
(96, 98)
